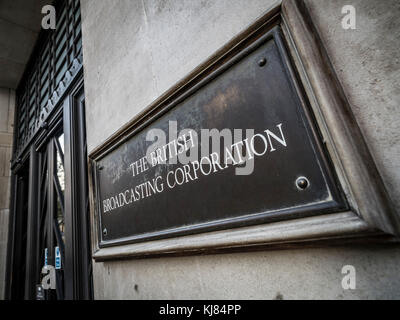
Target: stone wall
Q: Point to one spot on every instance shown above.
(136, 50)
(7, 105)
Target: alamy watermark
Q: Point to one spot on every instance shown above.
(49, 277)
(349, 20)
(49, 20)
(349, 280)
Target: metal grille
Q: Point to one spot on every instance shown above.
(56, 53)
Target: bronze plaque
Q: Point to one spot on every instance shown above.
(267, 166)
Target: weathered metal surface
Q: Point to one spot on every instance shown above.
(289, 176)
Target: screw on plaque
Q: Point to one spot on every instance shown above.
(44, 125)
(104, 232)
(302, 183)
(100, 167)
(262, 62)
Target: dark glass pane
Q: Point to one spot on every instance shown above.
(60, 162)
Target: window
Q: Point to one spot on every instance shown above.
(46, 73)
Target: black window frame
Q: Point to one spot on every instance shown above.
(64, 107)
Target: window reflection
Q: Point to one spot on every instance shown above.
(61, 182)
(60, 164)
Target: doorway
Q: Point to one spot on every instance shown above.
(50, 221)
